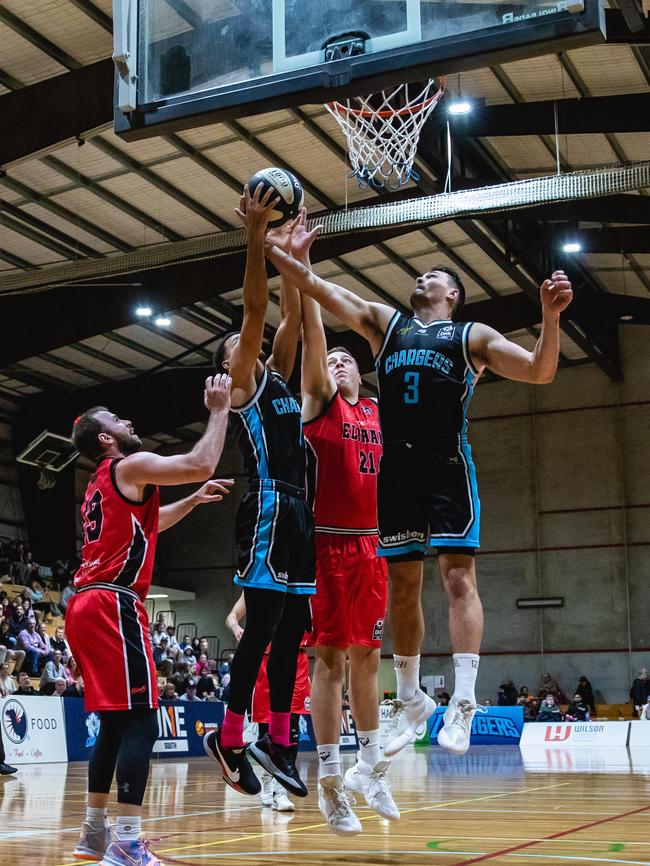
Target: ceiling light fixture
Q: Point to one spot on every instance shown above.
(572, 247)
(627, 318)
(460, 106)
(158, 595)
(143, 311)
(162, 322)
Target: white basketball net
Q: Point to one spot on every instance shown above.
(383, 131)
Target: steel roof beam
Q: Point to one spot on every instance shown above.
(76, 245)
(23, 29)
(94, 13)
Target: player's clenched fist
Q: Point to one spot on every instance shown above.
(556, 293)
(217, 393)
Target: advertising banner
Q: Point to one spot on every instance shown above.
(347, 737)
(33, 730)
(498, 726)
(181, 726)
(575, 734)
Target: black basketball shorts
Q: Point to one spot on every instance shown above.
(427, 496)
(274, 534)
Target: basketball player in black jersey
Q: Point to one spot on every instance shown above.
(274, 525)
(427, 365)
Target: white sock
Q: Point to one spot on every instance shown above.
(95, 816)
(369, 750)
(329, 762)
(407, 670)
(466, 669)
(127, 827)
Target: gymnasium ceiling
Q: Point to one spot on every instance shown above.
(72, 189)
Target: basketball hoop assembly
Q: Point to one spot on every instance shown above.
(383, 131)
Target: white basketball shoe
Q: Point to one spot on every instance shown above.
(335, 807)
(409, 718)
(457, 725)
(373, 784)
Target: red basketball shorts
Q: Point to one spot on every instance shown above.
(349, 607)
(108, 633)
(261, 704)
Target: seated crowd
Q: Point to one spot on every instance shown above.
(187, 671)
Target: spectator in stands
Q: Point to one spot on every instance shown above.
(163, 664)
(36, 652)
(586, 692)
(7, 683)
(640, 691)
(196, 646)
(202, 666)
(444, 699)
(224, 667)
(160, 620)
(8, 644)
(173, 648)
(549, 686)
(18, 563)
(644, 715)
(73, 675)
(18, 621)
(185, 642)
(207, 688)
(523, 692)
(169, 692)
(25, 687)
(507, 696)
(487, 702)
(30, 613)
(158, 633)
(549, 710)
(577, 711)
(188, 657)
(66, 595)
(190, 691)
(62, 572)
(42, 630)
(178, 680)
(53, 671)
(531, 708)
(58, 642)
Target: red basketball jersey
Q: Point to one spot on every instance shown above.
(344, 444)
(119, 534)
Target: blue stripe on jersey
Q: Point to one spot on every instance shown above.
(259, 573)
(409, 547)
(252, 421)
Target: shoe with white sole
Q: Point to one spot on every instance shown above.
(335, 807)
(410, 719)
(93, 841)
(131, 852)
(280, 800)
(457, 725)
(373, 784)
(266, 793)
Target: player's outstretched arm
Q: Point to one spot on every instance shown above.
(366, 318)
(285, 342)
(135, 472)
(254, 213)
(491, 349)
(235, 616)
(318, 385)
(211, 491)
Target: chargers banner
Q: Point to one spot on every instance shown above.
(499, 726)
(563, 734)
(33, 730)
(181, 726)
(347, 737)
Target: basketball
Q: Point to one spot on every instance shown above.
(287, 186)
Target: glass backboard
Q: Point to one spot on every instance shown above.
(186, 62)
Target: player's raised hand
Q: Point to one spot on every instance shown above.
(213, 491)
(216, 395)
(281, 236)
(255, 210)
(556, 293)
(301, 239)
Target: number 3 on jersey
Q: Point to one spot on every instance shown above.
(93, 517)
(412, 382)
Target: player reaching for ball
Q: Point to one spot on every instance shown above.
(349, 608)
(428, 364)
(274, 524)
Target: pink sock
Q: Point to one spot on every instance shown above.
(232, 730)
(279, 728)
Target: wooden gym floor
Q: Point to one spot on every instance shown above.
(496, 805)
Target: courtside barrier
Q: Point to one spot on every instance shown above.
(33, 730)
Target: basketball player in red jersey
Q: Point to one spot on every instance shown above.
(348, 611)
(106, 622)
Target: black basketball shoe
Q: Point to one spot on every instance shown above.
(235, 766)
(6, 770)
(280, 762)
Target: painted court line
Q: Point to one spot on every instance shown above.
(516, 848)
